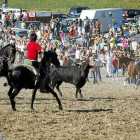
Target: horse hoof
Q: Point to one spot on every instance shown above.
(32, 108)
(5, 84)
(81, 96)
(60, 107)
(14, 109)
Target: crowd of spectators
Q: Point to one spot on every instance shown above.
(89, 46)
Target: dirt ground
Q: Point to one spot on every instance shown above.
(107, 112)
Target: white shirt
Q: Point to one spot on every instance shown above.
(21, 47)
(109, 59)
(3, 16)
(61, 62)
(134, 45)
(77, 54)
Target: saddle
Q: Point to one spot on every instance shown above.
(28, 64)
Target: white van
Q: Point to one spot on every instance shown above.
(15, 11)
(105, 16)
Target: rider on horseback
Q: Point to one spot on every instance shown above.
(32, 54)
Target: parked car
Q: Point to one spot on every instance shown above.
(76, 10)
(36, 24)
(137, 17)
(67, 22)
(74, 16)
(129, 20)
(61, 16)
(130, 13)
(19, 32)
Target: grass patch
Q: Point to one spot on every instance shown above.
(64, 5)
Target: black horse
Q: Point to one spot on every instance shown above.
(21, 77)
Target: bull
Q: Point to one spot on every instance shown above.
(75, 75)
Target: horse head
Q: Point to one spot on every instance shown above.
(9, 51)
(51, 56)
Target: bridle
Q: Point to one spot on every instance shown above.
(10, 54)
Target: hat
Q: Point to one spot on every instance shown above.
(113, 20)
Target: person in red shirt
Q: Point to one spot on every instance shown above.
(7, 19)
(32, 50)
(32, 53)
(114, 68)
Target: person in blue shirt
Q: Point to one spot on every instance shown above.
(31, 24)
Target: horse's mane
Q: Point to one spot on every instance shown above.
(126, 58)
(5, 47)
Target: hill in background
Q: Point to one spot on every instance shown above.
(63, 6)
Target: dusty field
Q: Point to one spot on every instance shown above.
(107, 112)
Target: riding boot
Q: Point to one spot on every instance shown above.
(42, 86)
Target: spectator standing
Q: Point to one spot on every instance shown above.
(77, 55)
(108, 43)
(97, 27)
(124, 44)
(1, 42)
(114, 22)
(112, 42)
(88, 39)
(62, 35)
(57, 26)
(94, 70)
(1, 30)
(114, 68)
(134, 45)
(11, 18)
(128, 45)
(85, 40)
(52, 24)
(7, 19)
(71, 54)
(99, 63)
(46, 34)
(108, 64)
(42, 28)
(3, 18)
(51, 35)
(86, 24)
(79, 27)
(20, 11)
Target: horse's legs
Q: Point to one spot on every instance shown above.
(80, 93)
(33, 98)
(126, 79)
(55, 95)
(134, 78)
(12, 97)
(10, 91)
(57, 87)
(78, 90)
